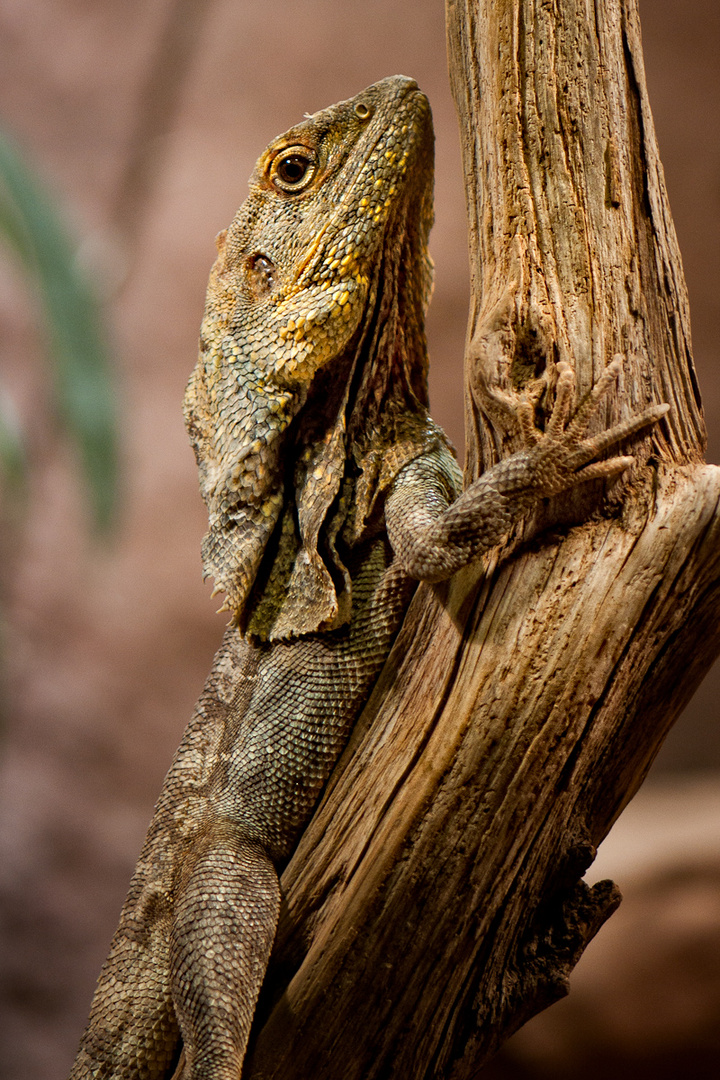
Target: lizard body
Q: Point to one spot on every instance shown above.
(330, 492)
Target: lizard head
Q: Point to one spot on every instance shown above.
(325, 263)
(296, 266)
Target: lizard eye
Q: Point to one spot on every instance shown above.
(293, 169)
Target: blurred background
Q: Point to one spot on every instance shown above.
(142, 120)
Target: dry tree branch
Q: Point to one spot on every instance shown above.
(435, 901)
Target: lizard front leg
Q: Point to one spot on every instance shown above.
(434, 534)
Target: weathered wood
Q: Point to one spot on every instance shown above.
(435, 901)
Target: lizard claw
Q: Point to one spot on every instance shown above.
(566, 453)
(589, 404)
(563, 399)
(592, 448)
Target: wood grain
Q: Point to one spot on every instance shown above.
(435, 901)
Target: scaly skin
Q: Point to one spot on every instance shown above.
(330, 492)
(295, 288)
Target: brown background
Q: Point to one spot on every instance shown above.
(106, 647)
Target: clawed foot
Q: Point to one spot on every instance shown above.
(566, 457)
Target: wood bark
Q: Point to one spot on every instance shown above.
(435, 902)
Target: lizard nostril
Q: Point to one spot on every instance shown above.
(362, 111)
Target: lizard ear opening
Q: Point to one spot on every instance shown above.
(261, 275)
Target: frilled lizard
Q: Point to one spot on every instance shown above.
(330, 494)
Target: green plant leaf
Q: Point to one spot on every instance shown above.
(83, 388)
